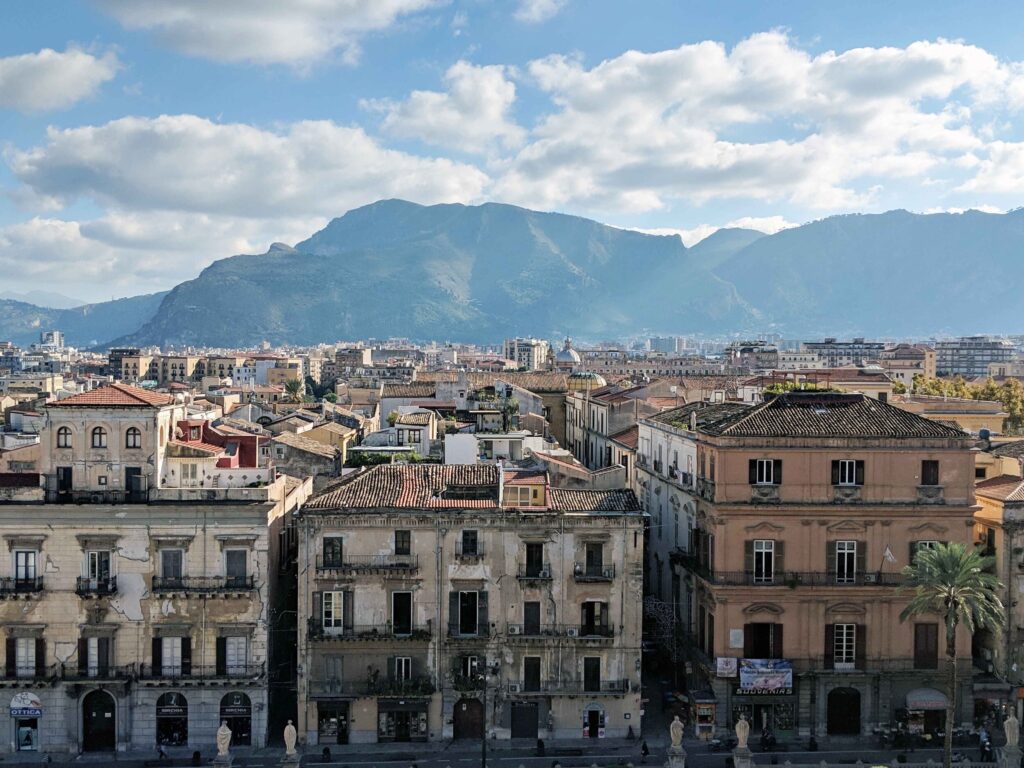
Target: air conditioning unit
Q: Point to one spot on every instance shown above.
(545, 574)
(870, 578)
(513, 687)
(515, 629)
(609, 573)
(572, 632)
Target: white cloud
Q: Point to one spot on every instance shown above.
(47, 80)
(470, 115)
(1001, 172)
(188, 163)
(535, 11)
(765, 121)
(297, 32)
(767, 224)
(690, 237)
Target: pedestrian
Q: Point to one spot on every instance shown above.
(644, 752)
(161, 753)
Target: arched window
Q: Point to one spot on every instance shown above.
(172, 720)
(133, 438)
(64, 437)
(99, 437)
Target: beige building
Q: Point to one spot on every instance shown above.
(905, 361)
(808, 506)
(971, 415)
(451, 601)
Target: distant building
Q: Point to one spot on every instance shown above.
(841, 353)
(971, 356)
(529, 354)
(905, 361)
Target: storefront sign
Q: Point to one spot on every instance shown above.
(171, 705)
(727, 666)
(765, 677)
(26, 704)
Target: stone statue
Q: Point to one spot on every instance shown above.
(742, 732)
(1012, 727)
(223, 739)
(675, 730)
(289, 739)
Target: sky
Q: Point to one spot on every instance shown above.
(143, 139)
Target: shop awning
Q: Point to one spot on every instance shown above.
(926, 698)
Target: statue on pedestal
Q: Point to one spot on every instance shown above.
(223, 739)
(675, 731)
(742, 732)
(290, 736)
(1012, 728)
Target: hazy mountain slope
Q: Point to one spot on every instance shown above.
(83, 326)
(722, 245)
(49, 299)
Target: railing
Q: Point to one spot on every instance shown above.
(764, 494)
(98, 587)
(540, 572)
(673, 471)
(203, 584)
(569, 687)
(474, 552)
(455, 633)
(14, 586)
(585, 631)
(705, 489)
(658, 466)
(534, 630)
(100, 672)
(794, 579)
(368, 562)
(30, 673)
(386, 631)
(930, 494)
(194, 672)
(417, 686)
(591, 572)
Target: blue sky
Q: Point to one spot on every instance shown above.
(142, 139)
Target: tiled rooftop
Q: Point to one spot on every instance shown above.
(420, 389)
(305, 444)
(629, 437)
(707, 413)
(1013, 449)
(115, 395)
(1002, 488)
(811, 414)
(575, 500)
(410, 485)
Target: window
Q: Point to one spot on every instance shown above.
(594, 618)
(470, 544)
(531, 673)
(764, 561)
(534, 558)
(333, 612)
(333, 551)
(846, 562)
(64, 437)
(844, 638)
(592, 673)
(236, 654)
(469, 666)
(25, 565)
(133, 438)
(101, 480)
(99, 437)
(929, 472)
(847, 472)
(171, 564)
(531, 618)
(979, 473)
(171, 655)
(401, 613)
(98, 565)
(920, 546)
(468, 609)
(403, 668)
(761, 640)
(403, 542)
(25, 657)
(235, 565)
(94, 656)
(926, 646)
(765, 471)
(194, 433)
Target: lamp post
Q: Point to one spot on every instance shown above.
(483, 729)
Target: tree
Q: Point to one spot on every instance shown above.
(899, 388)
(330, 397)
(293, 389)
(954, 581)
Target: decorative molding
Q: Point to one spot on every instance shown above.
(930, 527)
(846, 609)
(23, 540)
(847, 526)
(771, 608)
(97, 540)
(167, 542)
(764, 526)
(243, 540)
(172, 630)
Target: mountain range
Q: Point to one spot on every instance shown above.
(480, 273)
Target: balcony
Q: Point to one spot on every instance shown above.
(192, 672)
(584, 572)
(673, 471)
(29, 677)
(567, 687)
(366, 632)
(705, 489)
(930, 494)
(535, 572)
(469, 553)
(534, 631)
(764, 494)
(794, 579)
(167, 585)
(334, 688)
(481, 633)
(13, 587)
(102, 672)
(658, 466)
(405, 563)
(590, 631)
(89, 587)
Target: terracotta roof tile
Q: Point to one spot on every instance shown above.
(415, 419)
(419, 389)
(115, 395)
(1012, 449)
(1002, 488)
(304, 444)
(576, 500)
(411, 486)
(628, 437)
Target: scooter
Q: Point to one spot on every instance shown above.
(722, 745)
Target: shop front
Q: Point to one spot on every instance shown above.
(26, 714)
(765, 696)
(172, 720)
(236, 711)
(332, 722)
(402, 720)
(926, 711)
(702, 714)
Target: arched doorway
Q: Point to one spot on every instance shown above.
(99, 722)
(844, 712)
(172, 720)
(469, 719)
(236, 711)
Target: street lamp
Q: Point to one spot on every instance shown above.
(482, 678)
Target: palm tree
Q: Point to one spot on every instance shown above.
(953, 580)
(294, 389)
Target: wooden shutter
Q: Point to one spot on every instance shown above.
(453, 613)
(861, 645)
(748, 641)
(318, 607)
(103, 652)
(83, 655)
(830, 646)
(40, 657)
(830, 558)
(859, 472)
(392, 671)
(913, 552)
(862, 558)
(752, 471)
(482, 626)
(158, 653)
(779, 566)
(348, 610)
(186, 656)
(835, 472)
(222, 656)
(777, 472)
(748, 557)
(777, 641)
(12, 657)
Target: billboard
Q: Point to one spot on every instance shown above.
(726, 666)
(766, 677)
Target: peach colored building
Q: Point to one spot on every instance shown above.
(808, 507)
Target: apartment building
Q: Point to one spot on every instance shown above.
(139, 581)
(529, 354)
(837, 353)
(905, 361)
(461, 600)
(808, 506)
(594, 414)
(971, 356)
